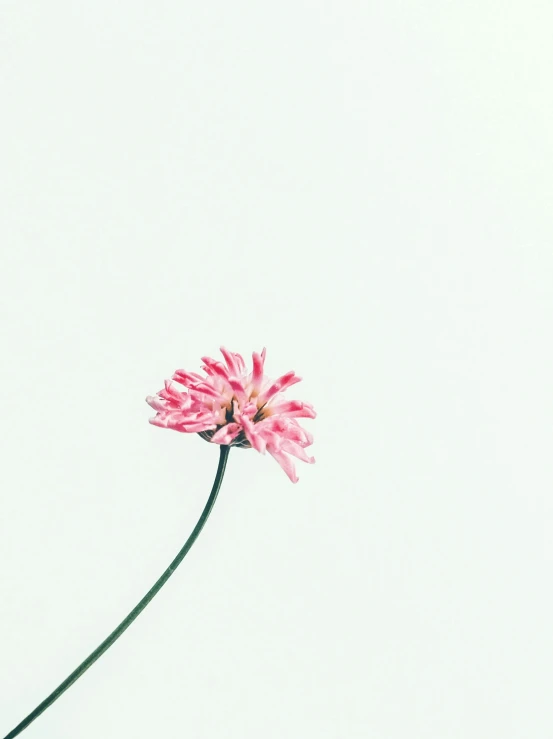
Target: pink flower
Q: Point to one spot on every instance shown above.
(235, 407)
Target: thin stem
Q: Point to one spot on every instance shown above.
(124, 625)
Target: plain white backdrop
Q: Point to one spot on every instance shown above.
(365, 189)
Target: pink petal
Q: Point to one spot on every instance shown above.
(290, 378)
(240, 362)
(285, 462)
(255, 439)
(175, 422)
(215, 368)
(171, 391)
(238, 389)
(230, 360)
(195, 428)
(226, 434)
(297, 451)
(187, 378)
(155, 403)
(197, 416)
(257, 374)
(156, 421)
(208, 362)
(205, 389)
(291, 409)
(288, 428)
(249, 410)
(269, 438)
(300, 436)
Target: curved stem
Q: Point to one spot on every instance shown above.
(124, 625)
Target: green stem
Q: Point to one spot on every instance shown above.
(124, 625)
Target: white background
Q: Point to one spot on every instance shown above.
(365, 189)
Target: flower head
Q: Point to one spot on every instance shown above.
(235, 407)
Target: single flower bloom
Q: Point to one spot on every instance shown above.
(234, 407)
